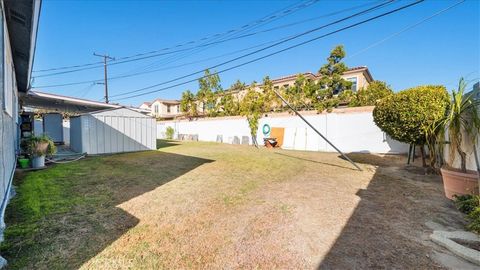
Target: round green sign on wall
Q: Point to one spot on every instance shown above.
(266, 129)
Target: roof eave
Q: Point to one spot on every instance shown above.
(22, 19)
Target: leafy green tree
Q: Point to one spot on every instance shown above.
(327, 104)
(349, 98)
(331, 81)
(169, 133)
(272, 101)
(295, 94)
(188, 104)
(252, 107)
(209, 90)
(237, 86)
(375, 91)
(229, 105)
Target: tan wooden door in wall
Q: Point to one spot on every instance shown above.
(278, 134)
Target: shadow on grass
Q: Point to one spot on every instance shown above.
(376, 160)
(386, 228)
(316, 161)
(166, 143)
(67, 214)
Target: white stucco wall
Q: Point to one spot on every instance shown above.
(351, 130)
(469, 149)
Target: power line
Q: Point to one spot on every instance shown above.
(127, 75)
(405, 29)
(129, 59)
(175, 58)
(286, 11)
(262, 49)
(280, 51)
(155, 70)
(232, 34)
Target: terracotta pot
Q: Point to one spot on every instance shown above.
(41, 147)
(456, 182)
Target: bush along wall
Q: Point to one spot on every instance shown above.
(411, 115)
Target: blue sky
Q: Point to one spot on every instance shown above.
(438, 51)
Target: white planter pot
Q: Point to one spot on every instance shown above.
(38, 162)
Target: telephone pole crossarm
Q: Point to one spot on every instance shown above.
(105, 60)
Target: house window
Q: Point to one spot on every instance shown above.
(276, 87)
(168, 108)
(178, 108)
(156, 108)
(353, 80)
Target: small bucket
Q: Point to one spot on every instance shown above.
(38, 162)
(23, 162)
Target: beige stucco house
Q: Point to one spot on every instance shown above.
(169, 109)
(359, 76)
(162, 108)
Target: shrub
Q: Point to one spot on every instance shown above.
(327, 104)
(37, 146)
(348, 97)
(470, 205)
(466, 203)
(375, 91)
(409, 115)
(169, 133)
(474, 218)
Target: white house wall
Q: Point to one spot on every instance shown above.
(8, 122)
(469, 149)
(349, 129)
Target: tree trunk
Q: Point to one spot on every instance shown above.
(409, 154)
(254, 140)
(463, 160)
(422, 152)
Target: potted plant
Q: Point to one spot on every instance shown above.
(23, 162)
(38, 147)
(462, 125)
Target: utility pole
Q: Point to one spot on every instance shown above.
(105, 59)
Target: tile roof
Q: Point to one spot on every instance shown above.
(310, 74)
(171, 101)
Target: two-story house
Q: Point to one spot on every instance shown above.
(360, 78)
(163, 108)
(169, 109)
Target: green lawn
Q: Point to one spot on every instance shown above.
(200, 205)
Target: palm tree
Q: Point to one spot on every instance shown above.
(462, 122)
